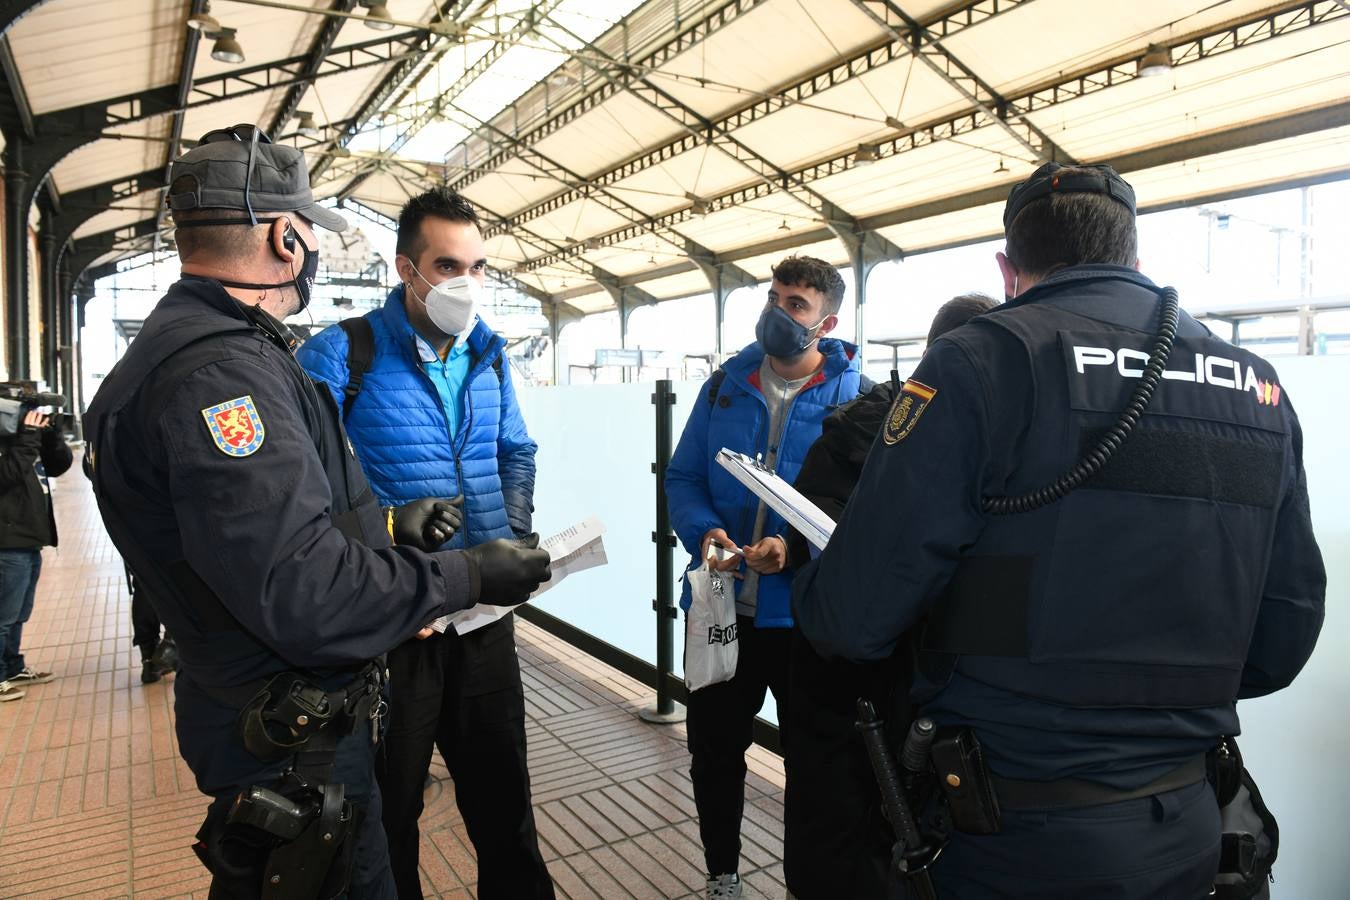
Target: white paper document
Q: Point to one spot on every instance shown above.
(799, 512)
(575, 549)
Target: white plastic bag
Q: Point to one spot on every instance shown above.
(711, 645)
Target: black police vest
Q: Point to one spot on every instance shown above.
(1140, 588)
(210, 639)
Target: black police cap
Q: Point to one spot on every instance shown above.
(1052, 178)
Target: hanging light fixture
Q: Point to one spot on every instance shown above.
(866, 154)
(203, 21)
(1002, 167)
(305, 123)
(340, 152)
(784, 226)
(226, 49)
(377, 15)
(1157, 60)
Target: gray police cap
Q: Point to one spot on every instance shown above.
(226, 159)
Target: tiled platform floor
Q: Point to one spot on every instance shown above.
(94, 801)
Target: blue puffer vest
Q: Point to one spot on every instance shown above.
(704, 496)
(400, 432)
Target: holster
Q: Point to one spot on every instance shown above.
(963, 778)
(291, 709)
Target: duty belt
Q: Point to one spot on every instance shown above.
(1077, 793)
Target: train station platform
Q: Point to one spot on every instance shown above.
(95, 802)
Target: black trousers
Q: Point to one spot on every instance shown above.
(144, 621)
(463, 695)
(836, 843)
(721, 728)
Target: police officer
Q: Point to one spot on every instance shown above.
(1088, 634)
(227, 483)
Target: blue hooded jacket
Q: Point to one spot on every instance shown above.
(704, 496)
(399, 429)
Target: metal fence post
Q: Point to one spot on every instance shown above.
(666, 711)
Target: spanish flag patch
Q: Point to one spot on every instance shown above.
(909, 404)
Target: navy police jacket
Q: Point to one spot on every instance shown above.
(227, 484)
(704, 496)
(1108, 634)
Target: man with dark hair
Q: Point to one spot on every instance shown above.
(432, 411)
(1099, 512)
(225, 480)
(769, 399)
(834, 838)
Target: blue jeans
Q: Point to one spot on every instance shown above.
(19, 570)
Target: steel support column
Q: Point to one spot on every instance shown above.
(50, 326)
(17, 199)
(70, 341)
(723, 278)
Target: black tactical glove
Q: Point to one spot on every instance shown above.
(427, 523)
(509, 571)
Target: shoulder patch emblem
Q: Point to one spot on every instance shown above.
(909, 404)
(235, 426)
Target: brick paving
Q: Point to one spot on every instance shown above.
(94, 801)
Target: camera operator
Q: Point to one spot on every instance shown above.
(27, 524)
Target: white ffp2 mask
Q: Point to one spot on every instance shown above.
(452, 303)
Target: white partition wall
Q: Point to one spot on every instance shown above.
(597, 444)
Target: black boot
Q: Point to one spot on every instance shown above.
(149, 671)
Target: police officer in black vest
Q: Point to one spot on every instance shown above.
(226, 482)
(1096, 512)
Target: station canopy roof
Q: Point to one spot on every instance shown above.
(619, 148)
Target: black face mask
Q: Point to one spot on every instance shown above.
(303, 282)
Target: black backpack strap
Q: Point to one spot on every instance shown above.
(715, 384)
(360, 355)
(497, 367)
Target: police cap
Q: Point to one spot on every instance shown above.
(1052, 178)
(240, 168)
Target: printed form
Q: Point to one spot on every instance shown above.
(572, 550)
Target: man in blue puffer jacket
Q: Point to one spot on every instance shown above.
(770, 399)
(436, 416)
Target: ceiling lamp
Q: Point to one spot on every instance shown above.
(340, 152)
(784, 226)
(203, 21)
(226, 49)
(701, 207)
(866, 154)
(1002, 167)
(560, 79)
(1157, 60)
(306, 123)
(377, 15)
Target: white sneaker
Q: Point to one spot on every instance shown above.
(724, 887)
(9, 692)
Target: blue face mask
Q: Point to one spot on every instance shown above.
(781, 335)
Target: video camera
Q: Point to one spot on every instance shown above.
(18, 399)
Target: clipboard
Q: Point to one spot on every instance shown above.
(810, 520)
